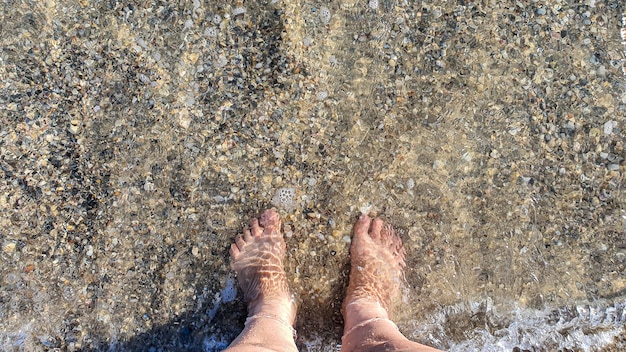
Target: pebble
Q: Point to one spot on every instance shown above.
(365, 209)
(608, 127)
(284, 198)
(595, 132)
(184, 120)
(410, 183)
(313, 215)
(8, 247)
(325, 15)
(322, 95)
(613, 167)
(439, 164)
(74, 126)
(210, 32)
(239, 11)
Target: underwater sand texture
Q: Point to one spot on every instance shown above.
(137, 138)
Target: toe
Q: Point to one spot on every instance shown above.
(255, 228)
(388, 236)
(376, 228)
(234, 251)
(363, 224)
(240, 242)
(270, 220)
(397, 249)
(247, 235)
(397, 243)
(399, 253)
(360, 229)
(401, 257)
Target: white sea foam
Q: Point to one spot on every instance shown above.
(584, 327)
(623, 34)
(227, 294)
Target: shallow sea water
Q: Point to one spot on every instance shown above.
(137, 138)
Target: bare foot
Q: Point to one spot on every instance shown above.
(257, 258)
(376, 277)
(377, 259)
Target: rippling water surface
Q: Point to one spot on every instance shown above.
(137, 138)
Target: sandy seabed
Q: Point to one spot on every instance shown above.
(137, 138)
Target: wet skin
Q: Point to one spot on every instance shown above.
(376, 277)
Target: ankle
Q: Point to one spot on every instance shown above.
(363, 309)
(283, 309)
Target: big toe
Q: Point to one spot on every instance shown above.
(270, 220)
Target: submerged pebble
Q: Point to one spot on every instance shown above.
(284, 198)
